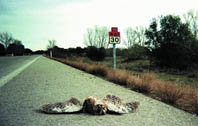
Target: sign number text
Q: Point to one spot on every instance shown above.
(114, 39)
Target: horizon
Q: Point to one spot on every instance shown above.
(36, 22)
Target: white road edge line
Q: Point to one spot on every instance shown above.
(10, 76)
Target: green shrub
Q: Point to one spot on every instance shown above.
(171, 42)
(2, 50)
(96, 54)
(136, 52)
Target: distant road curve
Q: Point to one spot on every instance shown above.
(12, 66)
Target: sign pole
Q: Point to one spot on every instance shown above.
(114, 56)
(51, 53)
(114, 38)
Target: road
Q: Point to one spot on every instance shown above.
(10, 63)
(47, 81)
(11, 66)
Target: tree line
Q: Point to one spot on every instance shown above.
(173, 43)
(12, 46)
(92, 52)
(169, 41)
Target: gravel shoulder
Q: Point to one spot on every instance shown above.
(47, 81)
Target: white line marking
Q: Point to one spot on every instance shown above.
(10, 76)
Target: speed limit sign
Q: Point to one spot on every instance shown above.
(114, 36)
(114, 40)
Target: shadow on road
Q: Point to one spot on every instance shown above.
(38, 111)
(41, 112)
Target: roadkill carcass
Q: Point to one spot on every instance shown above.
(92, 105)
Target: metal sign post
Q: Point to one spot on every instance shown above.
(51, 53)
(114, 38)
(114, 56)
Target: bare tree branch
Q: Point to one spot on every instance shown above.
(51, 44)
(97, 36)
(192, 19)
(135, 36)
(6, 39)
(131, 37)
(140, 32)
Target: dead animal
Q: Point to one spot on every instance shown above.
(92, 105)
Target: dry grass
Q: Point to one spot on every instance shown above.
(117, 76)
(143, 83)
(183, 97)
(168, 92)
(138, 84)
(189, 101)
(99, 70)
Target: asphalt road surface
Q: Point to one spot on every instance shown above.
(11, 66)
(46, 81)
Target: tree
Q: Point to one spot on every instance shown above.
(6, 39)
(170, 44)
(79, 51)
(131, 37)
(135, 36)
(59, 52)
(97, 36)
(192, 19)
(152, 35)
(27, 51)
(2, 50)
(16, 48)
(40, 52)
(97, 54)
(50, 46)
(140, 31)
(136, 52)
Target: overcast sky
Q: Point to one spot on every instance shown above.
(34, 22)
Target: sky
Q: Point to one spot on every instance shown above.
(34, 22)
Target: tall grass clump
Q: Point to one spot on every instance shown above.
(117, 76)
(99, 70)
(168, 92)
(142, 83)
(194, 101)
(138, 84)
(189, 101)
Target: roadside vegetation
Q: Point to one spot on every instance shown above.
(160, 61)
(10, 46)
(179, 95)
